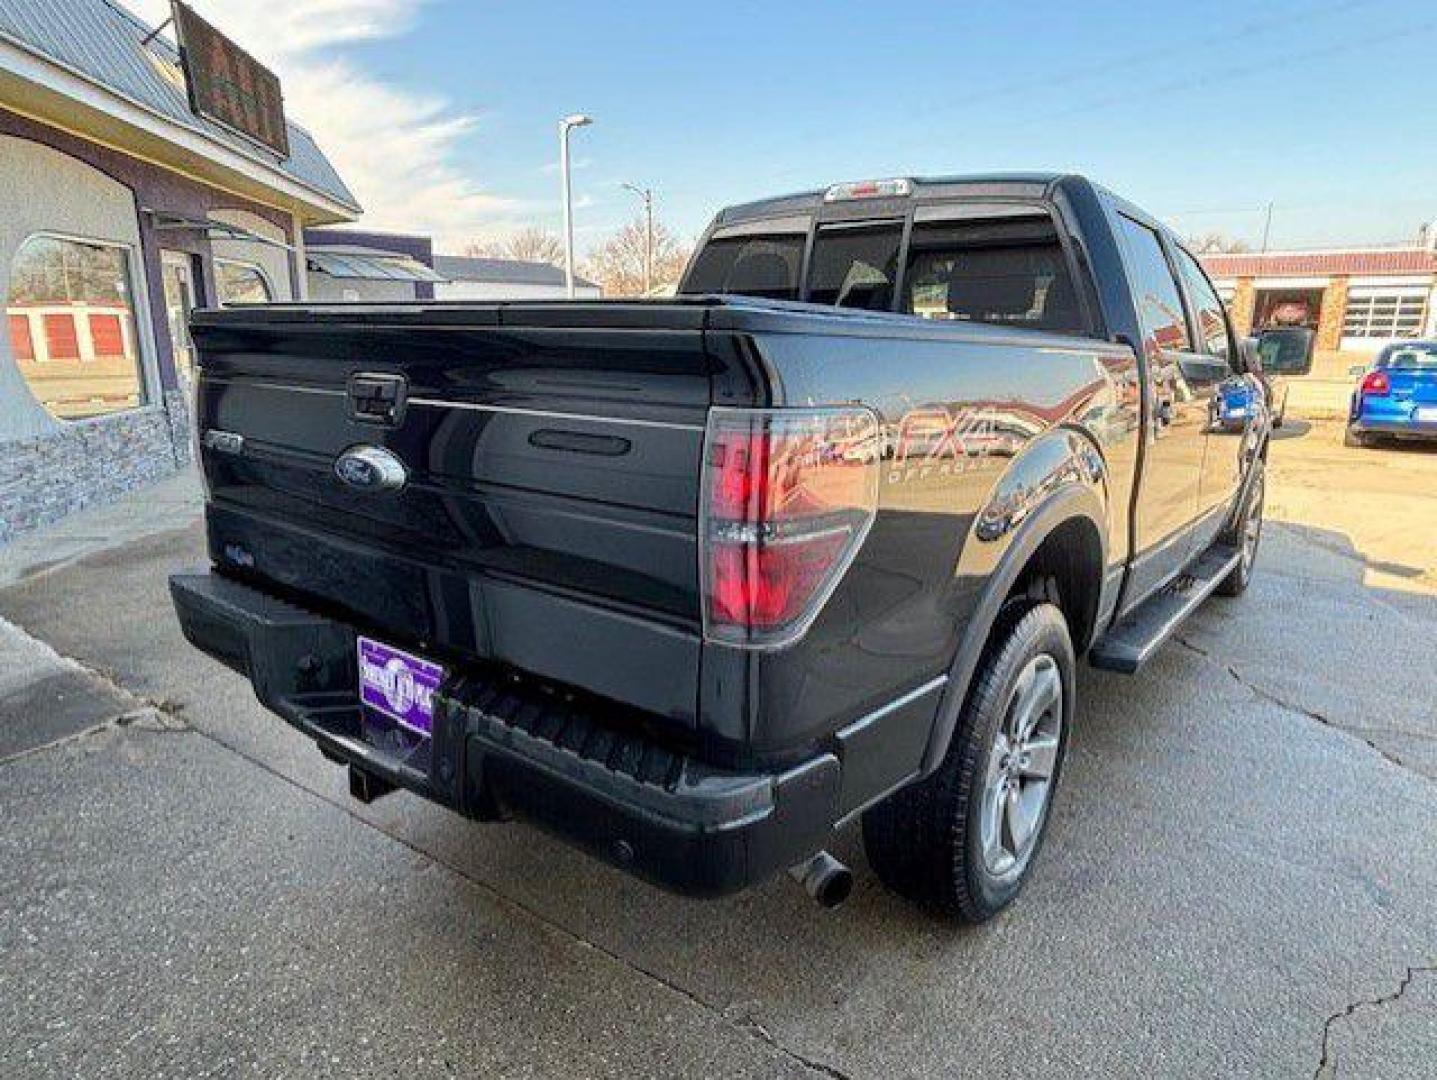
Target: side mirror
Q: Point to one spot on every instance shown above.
(1251, 358)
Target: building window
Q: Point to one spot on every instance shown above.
(1399, 313)
(241, 283)
(72, 326)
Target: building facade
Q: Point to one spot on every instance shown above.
(1357, 300)
(121, 210)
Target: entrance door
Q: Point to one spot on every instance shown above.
(178, 271)
(1176, 433)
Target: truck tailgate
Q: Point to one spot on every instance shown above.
(551, 456)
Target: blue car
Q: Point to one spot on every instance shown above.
(1234, 403)
(1397, 396)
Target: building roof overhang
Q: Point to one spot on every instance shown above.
(222, 230)
(363, 264)
(36, 86)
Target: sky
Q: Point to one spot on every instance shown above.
(442, 114)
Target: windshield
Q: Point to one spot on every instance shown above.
(1416, 356)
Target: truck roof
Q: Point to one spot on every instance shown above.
(1029, 184)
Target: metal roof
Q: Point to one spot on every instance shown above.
(101, 41)
(368, 264)
(502, 271)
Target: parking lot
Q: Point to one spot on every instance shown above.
(1239, 880)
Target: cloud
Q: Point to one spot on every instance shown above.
(397, 149)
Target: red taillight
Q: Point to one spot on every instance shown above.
(788, 496)
(1377, 383)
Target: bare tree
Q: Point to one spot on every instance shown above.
(1216, 243)
(529, 244)
(618, 263)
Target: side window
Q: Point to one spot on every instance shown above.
(1008, 272)
(1211, 316)
(762, 266)
(854, 266)
(1160, 305)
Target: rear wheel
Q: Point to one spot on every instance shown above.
(1247, 536)
(962, 841)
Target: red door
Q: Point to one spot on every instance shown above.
(106, 334)
(60, 337)
(22, 344)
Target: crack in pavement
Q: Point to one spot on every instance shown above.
(144, 720)
(1274, 698)
(1326, 1066)
(746, 1027)
(164, 716)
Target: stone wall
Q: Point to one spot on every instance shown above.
(1334, 313)
(45, 477)
(1244, 299)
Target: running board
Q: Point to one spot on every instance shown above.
(1131, 642)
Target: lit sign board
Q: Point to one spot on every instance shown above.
(229, 86)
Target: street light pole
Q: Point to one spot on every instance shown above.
(647, 194)
(566, 125)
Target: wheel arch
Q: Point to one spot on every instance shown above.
(1062, 534)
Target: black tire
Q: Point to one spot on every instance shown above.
(1246, 533)
(925, 841)
(1357, 439)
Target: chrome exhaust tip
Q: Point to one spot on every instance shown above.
(824, 878)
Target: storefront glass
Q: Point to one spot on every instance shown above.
(71, 319)
(178, 273)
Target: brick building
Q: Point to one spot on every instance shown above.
(124, 202)
(1358, 300)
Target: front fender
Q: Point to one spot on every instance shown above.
(1058, 478)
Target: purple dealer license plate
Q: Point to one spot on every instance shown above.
(398, 685)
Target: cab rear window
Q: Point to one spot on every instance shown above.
(1008, 272)
(761, 266)
(855, 266)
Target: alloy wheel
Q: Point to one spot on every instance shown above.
(1021, 767)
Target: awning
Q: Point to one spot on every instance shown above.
(164, 221)
(367, 267)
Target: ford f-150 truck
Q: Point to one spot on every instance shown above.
(694, 583)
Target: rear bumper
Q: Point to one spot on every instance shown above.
(1402, 429)
(505, 744)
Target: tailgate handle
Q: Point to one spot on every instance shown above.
(580, 442)
(377, 398)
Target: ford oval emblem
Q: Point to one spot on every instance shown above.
(369, 468)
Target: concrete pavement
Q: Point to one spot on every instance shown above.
(1238, 881)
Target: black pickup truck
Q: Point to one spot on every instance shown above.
(693, 583)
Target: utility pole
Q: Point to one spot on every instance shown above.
(647, 195)
(1266, 228)
(567, 125)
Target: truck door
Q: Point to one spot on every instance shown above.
(1176, 429)
(1209, 367)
